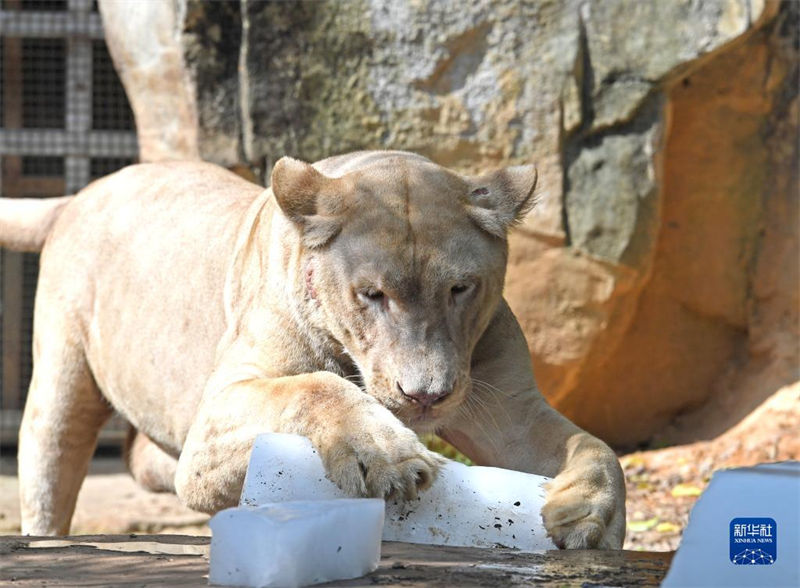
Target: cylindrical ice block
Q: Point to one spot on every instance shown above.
(465, 506)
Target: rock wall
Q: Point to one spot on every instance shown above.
(664, 132)
(700, 314)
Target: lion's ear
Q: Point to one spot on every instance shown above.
(499, 199)
(309, 199)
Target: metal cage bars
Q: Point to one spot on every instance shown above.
(65, 121)
(77, 141)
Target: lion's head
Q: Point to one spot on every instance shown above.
(404, 262)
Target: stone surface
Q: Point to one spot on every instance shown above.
(612, 202)
(664, 132)
(630, 47)
(705, 337)
(180, 560)
(210, 38)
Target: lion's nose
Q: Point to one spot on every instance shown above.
(423, 397)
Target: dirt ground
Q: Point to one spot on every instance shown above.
(110, 502)
(663, 485)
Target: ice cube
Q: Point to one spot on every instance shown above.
(285, 467)
(743, 531)
(296, 543)
(465, 506)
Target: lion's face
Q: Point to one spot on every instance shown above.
(405, 266)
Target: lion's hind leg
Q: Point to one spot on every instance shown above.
(63, 415)
(150, 466)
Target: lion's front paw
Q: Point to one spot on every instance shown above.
(585, 509)
(377, 456)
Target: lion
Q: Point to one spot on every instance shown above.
(356, 301)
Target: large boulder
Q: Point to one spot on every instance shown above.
(664, 133)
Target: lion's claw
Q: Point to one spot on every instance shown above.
(580, 514)
(379, 457)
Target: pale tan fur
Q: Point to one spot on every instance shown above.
(351, 302)
(25, 223)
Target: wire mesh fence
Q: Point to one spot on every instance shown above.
(65, 121)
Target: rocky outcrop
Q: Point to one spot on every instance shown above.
(664, 133)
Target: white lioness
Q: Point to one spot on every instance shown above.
(355, 301)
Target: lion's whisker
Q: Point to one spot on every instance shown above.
(473, 410)
(491, 387)
(487, 408)
(496, 395)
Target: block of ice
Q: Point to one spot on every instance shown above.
(474, 507)
(466, 506)
(296, 543)
(743, 531)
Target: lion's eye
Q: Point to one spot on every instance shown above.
(371, 295)
(461, 290)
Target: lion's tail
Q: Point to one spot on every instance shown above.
(26, 222)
